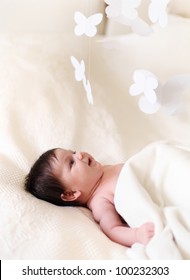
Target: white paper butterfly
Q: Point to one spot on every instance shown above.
(79, 68)
(113, 8)
(157, 12)
(125, 7)
(156, 96)
(80, 76)
(145, 82)
(86, 25)
(124, 12)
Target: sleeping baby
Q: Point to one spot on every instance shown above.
(67, 178)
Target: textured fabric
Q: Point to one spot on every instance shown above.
(153, 186)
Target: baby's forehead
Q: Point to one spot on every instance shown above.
(57, 160)
(60, 155)
(60, 152)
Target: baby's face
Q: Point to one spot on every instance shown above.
(78, 171)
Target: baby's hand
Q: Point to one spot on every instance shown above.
(145, 233)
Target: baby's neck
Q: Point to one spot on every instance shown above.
(106, 184)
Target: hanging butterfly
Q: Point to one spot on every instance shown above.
(86, 25)
(157, 12)
(122, 7)
(145, 82)
(157, 96)
(79, 68)
(125, 12)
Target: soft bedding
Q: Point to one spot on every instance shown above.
(154, 186)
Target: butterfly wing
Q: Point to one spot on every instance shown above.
(147, 107)
(129, 8)
(153, 11)
(163, 19)
(158, 12)
(113, 8)
(138, 86)
(91, 23)
(88, 90)
(74, 62)
(150, 85)
(81, 22)
(79, 68)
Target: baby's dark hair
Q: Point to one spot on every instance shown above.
(43, 184)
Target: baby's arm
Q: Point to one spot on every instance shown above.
(113, 227)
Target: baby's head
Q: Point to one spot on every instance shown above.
(43, 183)
(64, 177)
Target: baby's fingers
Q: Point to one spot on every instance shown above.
(151, 229)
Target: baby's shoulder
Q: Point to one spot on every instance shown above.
(100, 206)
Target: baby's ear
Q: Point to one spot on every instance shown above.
(70, 195)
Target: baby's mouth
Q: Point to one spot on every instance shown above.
(89, 161)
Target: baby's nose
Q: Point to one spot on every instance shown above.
(82, 157)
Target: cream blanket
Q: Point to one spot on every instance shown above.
(154, 185)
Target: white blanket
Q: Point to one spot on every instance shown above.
(154, 185)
